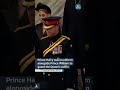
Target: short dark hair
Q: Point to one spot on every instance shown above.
(43, 6)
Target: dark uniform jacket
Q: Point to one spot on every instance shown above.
(74, 22)
(80, 26)
(26, 39)
(64, 44)
(61, 80)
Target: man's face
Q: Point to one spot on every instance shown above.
(31, 15)
(43, 14)
(52, 31)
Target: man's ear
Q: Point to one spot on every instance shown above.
(61, 22)
(57, 27)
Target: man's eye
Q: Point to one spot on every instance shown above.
(43, 15)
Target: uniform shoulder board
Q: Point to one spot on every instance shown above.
(66, 37)
(23, 27)
(44, 37)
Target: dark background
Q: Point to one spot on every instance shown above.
(8, 23)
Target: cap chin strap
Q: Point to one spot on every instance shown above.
(47, 27)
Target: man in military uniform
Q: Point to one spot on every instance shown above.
(55, 45)
(79, 26)
(26, 40)
(54, 36)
